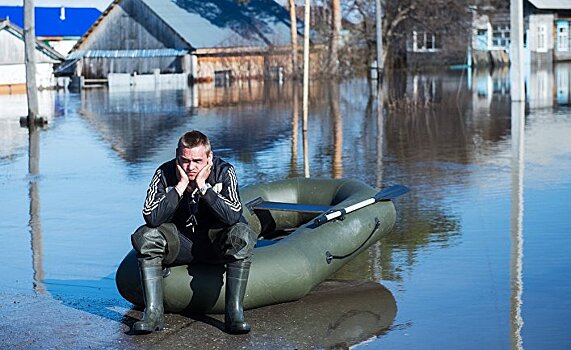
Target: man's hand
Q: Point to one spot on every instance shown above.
(203, 174)
(183, 180)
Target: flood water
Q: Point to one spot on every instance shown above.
(479, 258)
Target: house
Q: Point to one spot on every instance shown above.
(490, 37)
(157, 43)
(59, 27)
(12, 67)
(546, 39)
(548, 36)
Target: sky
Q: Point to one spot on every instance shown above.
(99, 4)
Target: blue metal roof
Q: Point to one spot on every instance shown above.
(55, 21)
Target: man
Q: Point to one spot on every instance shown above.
(193, 213)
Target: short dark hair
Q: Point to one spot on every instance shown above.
(193, 139)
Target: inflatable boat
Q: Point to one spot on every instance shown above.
(308, 229)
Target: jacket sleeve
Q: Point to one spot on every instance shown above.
(226, 204)
(161, 202)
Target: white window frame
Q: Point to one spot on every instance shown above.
(501, 36)
(425, 39)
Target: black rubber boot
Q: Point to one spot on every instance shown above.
(236, 279)
(152, 279)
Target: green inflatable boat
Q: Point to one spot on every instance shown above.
(309, 228)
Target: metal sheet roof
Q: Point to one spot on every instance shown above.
(54, 21)
(142, 53)
(552, 4)
(225, 23)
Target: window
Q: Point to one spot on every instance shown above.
(423, 42)
(501, 36)
(562, 36)
(482, 39)
(541, 39)
(222, 78)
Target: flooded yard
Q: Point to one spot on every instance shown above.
(479, 257)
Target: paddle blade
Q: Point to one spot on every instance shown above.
(391, 192)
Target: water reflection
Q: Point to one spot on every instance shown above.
(563, 83)
(546, 86)
(13, 138)
(294, 130)
(35, 223)
(335, 112)
(457, 143)
(133, 123)
(335, 315)
(516, 256)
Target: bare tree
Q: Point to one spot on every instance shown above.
(447, 20)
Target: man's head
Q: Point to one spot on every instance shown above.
(193, 152)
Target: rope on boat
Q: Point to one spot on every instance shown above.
(329, 257)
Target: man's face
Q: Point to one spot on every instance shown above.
(192, 160)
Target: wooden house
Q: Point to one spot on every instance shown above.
(157, 43)
(12, 67)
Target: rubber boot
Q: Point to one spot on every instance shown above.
(236, 279)
(152, 279)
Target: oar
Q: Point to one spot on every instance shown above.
(387, 193)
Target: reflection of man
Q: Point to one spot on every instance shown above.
(193, 213)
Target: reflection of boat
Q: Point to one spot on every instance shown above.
(296, 263)
(334, 315)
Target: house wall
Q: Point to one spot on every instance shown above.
(130, 25)
(562, 51)
(101, 67)
(12, 75)
(541, 37)
(12, 50)
(269, 66)
(242, 67)
(481, 42)
(13, 70)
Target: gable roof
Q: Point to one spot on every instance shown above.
(44, 49)
(216, 23)
(551, 4)
(54, 21)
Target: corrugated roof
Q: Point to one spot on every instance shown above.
(54, 21)
(127, 53)
(552, 4)
(225, 23)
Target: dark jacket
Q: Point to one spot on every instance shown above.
(218, 208)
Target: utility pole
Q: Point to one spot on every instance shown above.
(30, 61)
(305, 106)
(293, 30)
(516, 51)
